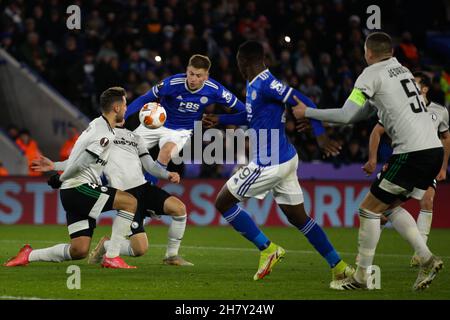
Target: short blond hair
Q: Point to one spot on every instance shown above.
(200, 62)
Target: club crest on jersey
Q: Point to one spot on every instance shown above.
(203, 100)
(253, 95)
(104, 141)
(433, 117)
(278, 86)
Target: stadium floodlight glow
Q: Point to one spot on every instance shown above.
(287, 39)
(158, 59)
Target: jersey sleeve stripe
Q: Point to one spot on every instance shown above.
(144, 154)
(155, 91)
(234, 103)
(286, 97)
(92, 154)
(209, 83)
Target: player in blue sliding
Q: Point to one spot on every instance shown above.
(273, 164)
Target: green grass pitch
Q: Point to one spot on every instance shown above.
(224, 266)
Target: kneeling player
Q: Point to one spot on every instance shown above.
(124, 171)
(82, 195)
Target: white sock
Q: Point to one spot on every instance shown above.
(125, 247)
(404, 223)
(424, 223)
(57, 253)
(368, 236)
(120, 229)
(175, 234)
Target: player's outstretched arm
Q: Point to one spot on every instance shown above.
(293, 97)
(139, 102)
(354, 110)
(153, 168)
(43, 164)
(374, 142)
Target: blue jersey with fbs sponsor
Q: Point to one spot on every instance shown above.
(184, 106)
(266, 102)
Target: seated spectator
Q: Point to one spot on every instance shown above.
(29, 148)
(13, 131)
(407, 52)
(3, 171)
(66, 148)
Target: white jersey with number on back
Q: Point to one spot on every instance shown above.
(124, 169)
(439, 116)
(391, 88)
(96, 140)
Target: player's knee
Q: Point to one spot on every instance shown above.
(140, 250)
(220, 204)
(426, 203)
(78, 253)
(165, 155)
(129, 203)
(174, 207)
(180, 209)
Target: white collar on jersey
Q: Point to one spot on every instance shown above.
(265, 70)
(195, 91)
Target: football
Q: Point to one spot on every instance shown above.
(152, 115)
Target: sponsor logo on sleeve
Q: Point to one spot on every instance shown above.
(227, 96)
(278, 87)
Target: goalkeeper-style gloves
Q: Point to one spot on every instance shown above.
(54, 181)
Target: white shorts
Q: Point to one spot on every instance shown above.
(162, 135)
(255, 181)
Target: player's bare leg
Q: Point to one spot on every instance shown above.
(139, 244)
(177, 210)
(79, 246)
(424, 220)
(76, 250)
(126, 206)
(370, 210)
(167, 151)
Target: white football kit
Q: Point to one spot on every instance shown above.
(96, 140)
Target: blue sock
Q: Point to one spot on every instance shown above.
(319, 240)
(243, 223)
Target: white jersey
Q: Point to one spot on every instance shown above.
(439, 115)
(96, 140)
(392, 89)
(124, 169)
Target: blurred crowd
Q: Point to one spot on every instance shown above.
(315, 46)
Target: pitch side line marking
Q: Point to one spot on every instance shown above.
(22, 298)
(159, 245)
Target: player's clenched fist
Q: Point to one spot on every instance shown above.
(174, 177)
